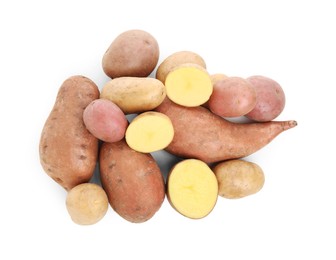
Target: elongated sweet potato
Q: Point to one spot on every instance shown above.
(200, 134)
(132, 180)
(68, 151)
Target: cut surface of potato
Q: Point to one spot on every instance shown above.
(149, 132)
(189, 85)
(192, 188)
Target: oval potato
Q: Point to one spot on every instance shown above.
(68, 151)
(133, 53)
(132, 180)
(133, 94)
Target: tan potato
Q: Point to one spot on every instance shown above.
(86, 203)
(132, 180)
(133, 53)
(68, 151)
(217, 77)
(200, 134)
(133, 94)
(238, 178)
(175, 60)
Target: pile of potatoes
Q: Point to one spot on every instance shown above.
(183, 110)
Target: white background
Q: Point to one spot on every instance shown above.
(292, 217)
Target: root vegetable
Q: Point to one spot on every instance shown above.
(200, 134)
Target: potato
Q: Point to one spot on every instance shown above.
(270, 99)
(232, 97)
(132, 180)
(238, 178)
(133, 53)
(200, 134)
(86, 203)
(192, 188)
(176, 59)
(133, 94)
(105, 120)
(149, 132)
(188, 85)
(68, 151)
(217, 77)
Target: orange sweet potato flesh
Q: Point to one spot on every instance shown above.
(202, 135)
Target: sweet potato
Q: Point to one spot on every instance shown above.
(200, 134)
(132, 180)
(68, 151)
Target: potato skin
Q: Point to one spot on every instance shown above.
(68, 151)
(232, 97)
(176, 59)
(105, 120)
(132, 53)
(238, 178)
(134, 94)
(132, 180)
(270, 99)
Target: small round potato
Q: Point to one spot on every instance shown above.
(232, 97)
(133, 53)
(105, 120)
(238, 178)
(87, 203)
(270, 99)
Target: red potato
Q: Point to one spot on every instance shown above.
(200, 134)
(132, 180)
(105, 120)
(232, 97)
(270, 99)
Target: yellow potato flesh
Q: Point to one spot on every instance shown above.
(149, 132)
(192, 188)
(189, 86)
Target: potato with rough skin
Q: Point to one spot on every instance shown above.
(68, 151)
(132, 180)
(134, 94)
(133, 53)
(86, 203)
(232, 97)
(200, 134)
(238, 178)
(270, 99)
(176, 59)
(105, 120)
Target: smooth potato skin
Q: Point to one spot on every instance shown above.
(270, 99)
(105, 120)
(232, 97)
(238, 178)
(132, 180)
(177, 59)
(68, 151)
(133, 53)
(134, 94)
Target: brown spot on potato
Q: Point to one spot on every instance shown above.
(82, 157)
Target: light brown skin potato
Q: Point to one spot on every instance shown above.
(177, 59)
(134, 94)
(68, 151)
(238, 178)
(217, 77)
(200, 134)
(132, 180)
(232, 97)
(270, 99)
(87, 203)
(105, 120)
(133, 53)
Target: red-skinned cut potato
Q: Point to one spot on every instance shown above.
(270, 99)
(105, 120)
